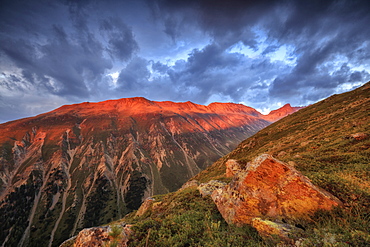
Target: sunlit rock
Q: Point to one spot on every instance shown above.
(206, 189)
(268, 187)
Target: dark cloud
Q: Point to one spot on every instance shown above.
(121, 40)
(172, 28)
(226, 21)
(159, 67)
(318, 30)
(62, 55)
(134, 77)
(270, 48)
(204, 76)
(62, 65)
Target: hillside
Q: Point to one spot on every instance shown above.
(88, 164)
(329, 142)
(331, 137)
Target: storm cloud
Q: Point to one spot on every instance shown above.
(262, 53)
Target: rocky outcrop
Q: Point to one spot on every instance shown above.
(358, 136)
(206, 189)
(232, 167)
(95, 236)
(279, 231)
(116, 235)
(270, 188)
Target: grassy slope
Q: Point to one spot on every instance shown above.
(315, 140)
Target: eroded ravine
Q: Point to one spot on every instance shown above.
(71, 154)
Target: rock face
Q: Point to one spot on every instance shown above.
(281, 112)
(270, 188)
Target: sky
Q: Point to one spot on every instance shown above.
(263, 53)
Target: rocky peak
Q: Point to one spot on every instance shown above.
(277, 114)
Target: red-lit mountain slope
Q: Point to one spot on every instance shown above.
(88, 164)
(281, 112)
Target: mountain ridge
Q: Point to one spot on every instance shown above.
(87, 164)
(164, 105)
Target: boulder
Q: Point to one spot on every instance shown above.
(358, 136)
(102, 236)
(206, 189)
(270, 188)
(281, 232)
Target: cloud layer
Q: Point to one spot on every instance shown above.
(262, 53)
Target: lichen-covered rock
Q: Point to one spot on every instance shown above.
(232, 167)
(279, 231)
(145, 206)
(206, 189)
(269, 187)
(101, 236)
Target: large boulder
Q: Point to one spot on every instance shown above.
(269, 188)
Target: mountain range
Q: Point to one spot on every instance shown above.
(328, 143)
(88, 164)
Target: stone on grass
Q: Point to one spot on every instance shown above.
(270, 188)
(276, 230)
(99, 236)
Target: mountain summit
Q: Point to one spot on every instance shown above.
(281, 112)
(90, 163)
